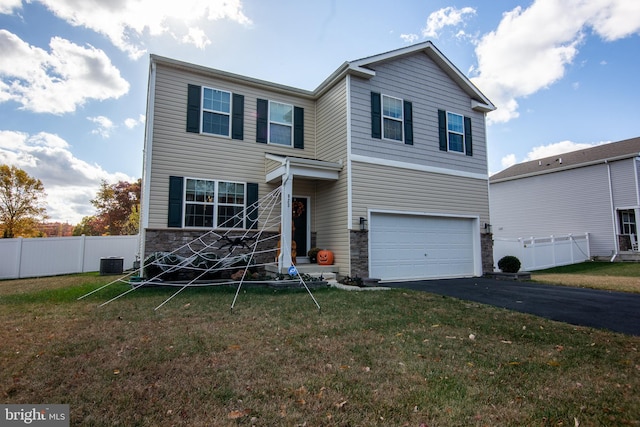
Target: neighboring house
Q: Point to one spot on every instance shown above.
(388, 156)
(591, 191)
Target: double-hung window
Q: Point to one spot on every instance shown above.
(455, 132)
(216, 112)
(214, 204)
(392, 118)
(280, 123)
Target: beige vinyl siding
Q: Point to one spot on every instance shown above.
(573, 201)
(417, 79)
(180, 153)
(395, 189)
(331, 197)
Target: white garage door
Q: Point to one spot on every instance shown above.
(420, 247)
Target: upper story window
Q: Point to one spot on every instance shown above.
(280, 123)
(455, 133)
(216, 111)
(392, 118)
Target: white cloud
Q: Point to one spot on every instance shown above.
(70, 183)
(196, 37)
(131, 123)
(8, 6)
(409, 38)
(105, 126)
(125, 23)
(531, 47)
(56, 82)
(448, 16)
(508, 161)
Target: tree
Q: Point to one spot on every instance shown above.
(118, 208)
(21, 202)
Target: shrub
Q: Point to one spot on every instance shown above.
(509, 264)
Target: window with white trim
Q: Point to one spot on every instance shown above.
(392, 118)
(216, 112)
(280, 123)
(455, 132)
(214, 204)
(628, 221)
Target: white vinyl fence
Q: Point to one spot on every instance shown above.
(537, 253)
(51, 256)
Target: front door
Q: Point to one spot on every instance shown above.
(301, 224)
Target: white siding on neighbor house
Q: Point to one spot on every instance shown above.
(417, 79)
(176, 152)
(574, 201)
(331, 197)
(378, 187)
(623, 183)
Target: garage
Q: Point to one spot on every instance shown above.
(407, 246)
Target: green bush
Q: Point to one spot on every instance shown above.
(509, 264)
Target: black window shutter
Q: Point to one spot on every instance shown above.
(298, 127)
(237, 117)
(468, 143)
(252, 205)
(376, 116)
(408, 123)
(193, 109)
(174, 218)
(442, 129)
(262, 123)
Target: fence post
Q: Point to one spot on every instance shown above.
(83, 243)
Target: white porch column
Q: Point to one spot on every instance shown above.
(284, 260)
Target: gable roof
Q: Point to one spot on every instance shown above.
(479, 101)
(359, 68)
(620, 150)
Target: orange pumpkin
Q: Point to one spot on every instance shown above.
(325, 257)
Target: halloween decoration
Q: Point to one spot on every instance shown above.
(325, 257)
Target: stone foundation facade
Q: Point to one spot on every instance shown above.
(186, 242)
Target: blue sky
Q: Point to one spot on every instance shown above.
(73, 75)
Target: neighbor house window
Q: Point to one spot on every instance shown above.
(216, 111)
(628, 222)
(214, 204)
(280, 123)
(392, 118)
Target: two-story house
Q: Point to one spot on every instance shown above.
(387, 156)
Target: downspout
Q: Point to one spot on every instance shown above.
(613, 214)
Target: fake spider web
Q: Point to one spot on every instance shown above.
(218, 258)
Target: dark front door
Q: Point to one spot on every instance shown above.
(301, 223)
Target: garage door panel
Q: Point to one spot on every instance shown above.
(414, 246)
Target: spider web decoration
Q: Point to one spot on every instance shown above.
(215, 259)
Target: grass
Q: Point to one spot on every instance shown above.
(388, 358)
(612, 276)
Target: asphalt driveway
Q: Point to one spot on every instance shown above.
(615, 311)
